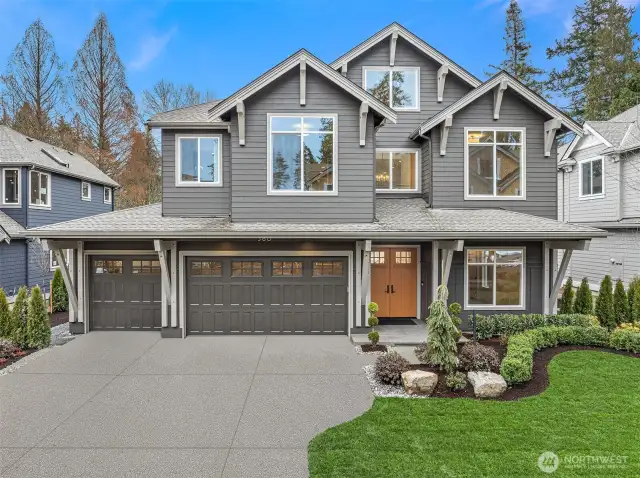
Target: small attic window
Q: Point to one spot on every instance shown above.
(55, 158)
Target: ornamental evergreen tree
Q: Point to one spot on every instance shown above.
(604, 304)
(60, 301)
(566, 302)
(441, 333)
(620, 304)
(19, 318)
(635, 310)
(38, 325)
(631, 293)
(584, 300)
(5, 316)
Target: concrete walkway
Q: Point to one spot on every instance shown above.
(131, 404)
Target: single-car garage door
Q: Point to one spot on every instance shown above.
(286, 295)
(125, 293)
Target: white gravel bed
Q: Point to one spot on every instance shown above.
(360, 352)
(24, 361)
(60, 334)
(380, 389)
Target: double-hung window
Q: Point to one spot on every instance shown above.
(591, 178)
(39, 189)
(86, 191)
(398, 87)
(494, 278)
(107, 195)
(495, 163)
(199, 160)
(397, 170)
(302, 154)
(11, 187)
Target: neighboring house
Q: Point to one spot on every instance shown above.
(41, 184)
(599, 186)
(318, 187)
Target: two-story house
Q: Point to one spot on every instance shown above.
(599, 186)
(316, 188)
(41, 185)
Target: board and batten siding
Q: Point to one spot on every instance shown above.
(196, 201)
(355, 175)
(18, 214)
(13, 272)
(448, 170)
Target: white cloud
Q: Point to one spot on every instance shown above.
(150, 48)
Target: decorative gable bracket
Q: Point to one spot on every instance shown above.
(444, 134)
(364, 110)
(343, 68)
(303, 81)
(497, 98)
(392, 50)
(550, 129)
(241, 122)
(442, 76)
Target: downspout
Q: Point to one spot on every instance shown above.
(428, 140)
(25, 202)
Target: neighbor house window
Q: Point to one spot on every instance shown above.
(591, 174)
(397, 171)
(39, 186)
(11, 186)
(199, 160)
(86, 191)
(495, 163)
(397, 87)
(53, 262)
(107, 195)
(302, 154)
(494, 278)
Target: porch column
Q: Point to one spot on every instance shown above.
(448, 248)
(81, 285)
(359, 294)
(551, 291)
(165, 283)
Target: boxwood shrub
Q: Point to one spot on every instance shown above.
(517, 365)
(509, 324)
(625, 339)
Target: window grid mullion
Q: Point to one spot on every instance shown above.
(495, 168)
(198, 171)
(495, 284)
(390, 88)
(301, 153)
(390, 170)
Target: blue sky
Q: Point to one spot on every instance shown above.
(220, 45)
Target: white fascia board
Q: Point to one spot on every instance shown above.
(592, 131)
(187, 125)
(413, 40)
(287, 65)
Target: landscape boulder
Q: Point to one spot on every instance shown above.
(419, 382)
(487, 384)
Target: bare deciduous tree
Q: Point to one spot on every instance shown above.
(166, 95)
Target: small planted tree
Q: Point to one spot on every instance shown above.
(566, 302)
(584, 299)
(38, 325)
(60, 300)
(455, 309)
(604, 304)
(631, 293)
(373, 336)
(19, 318)
(621, 304)
(635, 311)
(441, 344)
(5, 316)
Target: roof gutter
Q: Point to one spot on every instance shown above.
(184, 125)
(56, 171)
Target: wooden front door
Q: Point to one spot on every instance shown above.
(394, 281)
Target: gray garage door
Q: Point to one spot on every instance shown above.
(286, 295)
(125, 293)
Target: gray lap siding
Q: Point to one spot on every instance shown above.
(13, 273)
(18, 213)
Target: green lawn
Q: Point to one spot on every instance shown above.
(592, 407)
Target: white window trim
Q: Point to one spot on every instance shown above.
(523, 165)
(51, 266)
(278, 192)
(523, 281)
(88, 198)
(110, 200)
(49, 192)
(418, 171)
(587, 197)
(391, 69)
(198, 184)
(3, 185)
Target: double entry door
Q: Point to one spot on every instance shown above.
(394, 280)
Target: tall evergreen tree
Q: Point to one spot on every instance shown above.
(631, 293)
(19, 317)
(38, 324)
(584, 299)
(604, 304)
(5, 316)
(621, 304)
(566, 302)
(441, 333)
(601, 55)
(517, 49)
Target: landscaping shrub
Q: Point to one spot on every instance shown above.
(584, 299)
(5, 316)
(634, 285)
(477, 357)
(38, 325)
(604, 304)
(390, 367)
(509, 324)
(620, 304)
(60, 298)
(625, 339)
(441, 334)
(566, 302)
(19, 318)
(374, 337)
(8, 349)
(517, 365)
(635, 309)
(630, 326)
(456, 381)
(421, 352)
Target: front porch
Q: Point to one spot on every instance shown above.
(396, 334)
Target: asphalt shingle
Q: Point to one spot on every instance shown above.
(9, 229)
(188, 114)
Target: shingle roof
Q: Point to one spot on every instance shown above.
(612, 131)
(16, 148)
(188, 114)
(396, 218)
(632, 114)
(9, 229)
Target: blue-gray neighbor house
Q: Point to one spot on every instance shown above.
(319, 187)
(41, 185)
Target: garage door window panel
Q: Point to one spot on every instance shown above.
(206, 268)
(287, 268)
(146, 267)
(107, 267)
(327, 269)
(246, 269)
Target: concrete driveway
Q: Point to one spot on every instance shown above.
(132, 404)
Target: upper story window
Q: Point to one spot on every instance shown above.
(591, 174)
(495, 163)
(39, 189)
(302, 154)
(399, 87)
(199, 160)
(397, 170)
(107, 195)
(11, 187)
(86, 191)
(494, 278)
(53, 261)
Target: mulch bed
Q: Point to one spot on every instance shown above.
(373, 348)
(58, 318)
(6, 362)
